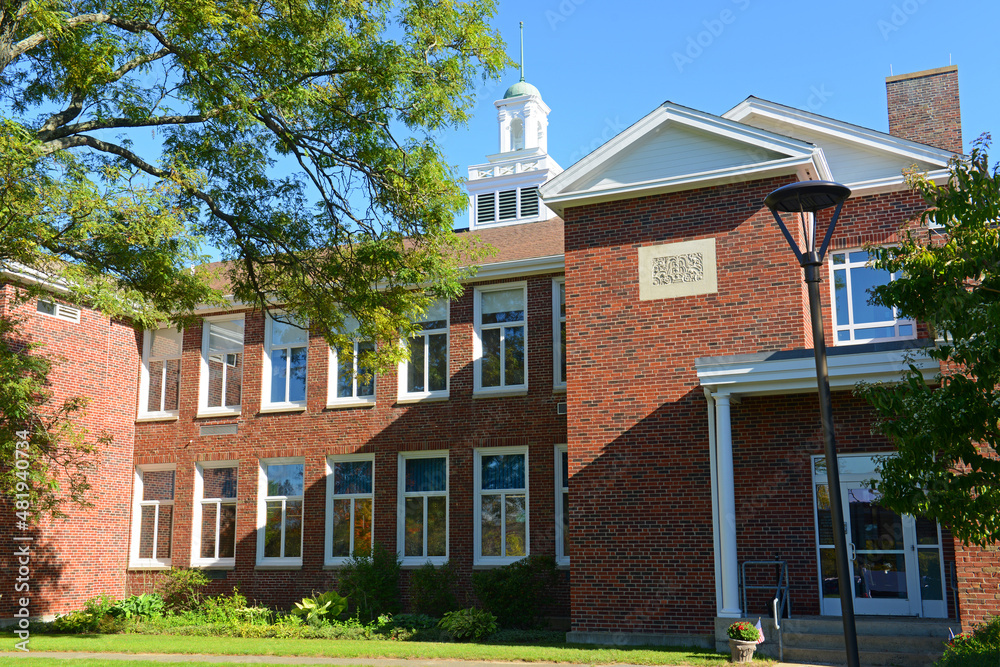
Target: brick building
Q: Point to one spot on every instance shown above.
(628, 385)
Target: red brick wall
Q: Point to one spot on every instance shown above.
(924, 107)
(81, 556)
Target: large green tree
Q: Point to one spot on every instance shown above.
(947, 435)
(297, 137)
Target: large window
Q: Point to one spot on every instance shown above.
(279, 513)
(562, 505)
(221, 385)
(425, 375)
(352, 380)
(152, 516)
(350, 487)
(423, 503)
(214, 526)
(501, 488)
(500, 348)
(159, 383)
(285, 356)
(855, 319)
(559, 332)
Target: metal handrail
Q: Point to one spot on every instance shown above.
(781, 589)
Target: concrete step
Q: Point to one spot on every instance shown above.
(866, 642)
(893, 627)
(867, 658)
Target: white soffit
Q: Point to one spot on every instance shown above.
(676, 148)
(858, 157)
(795, 372)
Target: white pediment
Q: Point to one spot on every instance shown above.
(677, 148)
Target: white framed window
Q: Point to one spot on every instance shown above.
(501, 495)
(213, 528)
(500, 349)
(855, 320)
(351, 379)
(559, 333)
(350, 498)
(160, 375)
(562, 504)
(58, 310)
(152, 516)
(286, 348)
(279, 512)
(221, 385)
(422, 525)
(425, 374)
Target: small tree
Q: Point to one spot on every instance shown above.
(947, 437)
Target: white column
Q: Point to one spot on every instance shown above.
(727, 510)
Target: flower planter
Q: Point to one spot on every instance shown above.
(742, 651)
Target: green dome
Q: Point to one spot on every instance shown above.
(522, 87)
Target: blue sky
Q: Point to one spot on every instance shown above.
(600, 66)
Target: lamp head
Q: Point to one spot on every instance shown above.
(807, 196)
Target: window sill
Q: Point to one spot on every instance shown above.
(559, 389)
(227, 565)
(142, 566)
(500, 393)
(417, 563)
(226, 413)
(493, 566)
(351, 404)
(156, 418)
(278, 566)
(275, 409)
(410, 400)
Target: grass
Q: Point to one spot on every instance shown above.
(566, 653)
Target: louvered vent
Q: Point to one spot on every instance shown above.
(508, 205)
(485, 208)
(529, 202)
(63, 312)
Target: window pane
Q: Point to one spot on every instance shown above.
(366, 374)
(225, 336)
(227, 531)
(931, 587)
(516, 526)
(147, 514)
(906, 330)
(341, 527)
(297, 373)
(859, 257)
(503, 471)
(437, 516)
(840, 296)
(490, 533)
(279, 362)
(284, 479)
(828, 569)
(415, 373)
(362, 524)
(287, 334)
(155, 386)
(208, 515)
(513, 355)
(158, 485)
(927, 533)
(490, 363)
(352, 477)
(565, 523)
(234, 378)
(166, 517)
(171, 384)
(165, 343)
(436, 316)
(424, 474)
(562, 352)
(562, 299)
(882, 575)
(565, 469)
(293, 529)
(502, 306)
(414, 527)
(875, 332)
(219, 482)
(345, 372)
(272, 530)
(824, 516)
(863, 279)
(437, 363)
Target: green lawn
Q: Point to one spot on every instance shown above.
(569, 653)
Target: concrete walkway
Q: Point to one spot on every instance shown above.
(294, 660)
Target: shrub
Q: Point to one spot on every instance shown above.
(430, 590)
(96, 616)
(233, 608)
(743, 631)
(182, 588)
(321, 609)
(514, 593)
(979, 648)
(146, 605)
(371, 581)
(469, 623)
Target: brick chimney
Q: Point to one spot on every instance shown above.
(923, 107)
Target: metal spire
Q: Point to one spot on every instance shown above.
(522, 50)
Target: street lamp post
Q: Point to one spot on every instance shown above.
(806, 198)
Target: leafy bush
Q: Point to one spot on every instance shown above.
(321, 609)
(139, 606)
(514, 593)
(371, 581)
(980, 648)
(234, 608)
(182, 588)
(471, 623)
(96, 616)
(414, 621)
(430, 590)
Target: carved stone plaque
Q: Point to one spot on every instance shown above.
(686, 268)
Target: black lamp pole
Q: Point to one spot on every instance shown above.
(805, 198)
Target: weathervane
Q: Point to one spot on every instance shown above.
(522, 50)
